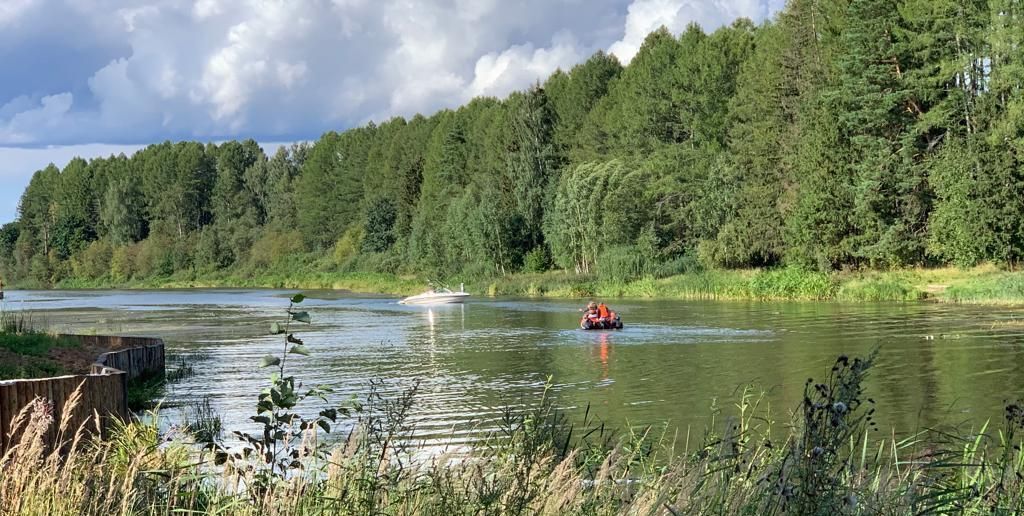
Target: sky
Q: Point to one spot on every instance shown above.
(92, 78)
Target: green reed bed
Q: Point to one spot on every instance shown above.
(1000, 288)
(680, 279)
(880, 287)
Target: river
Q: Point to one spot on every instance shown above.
(938, 364)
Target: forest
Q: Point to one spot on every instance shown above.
(840, 135)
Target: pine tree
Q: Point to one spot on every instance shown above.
(759, 138)
(890, 197)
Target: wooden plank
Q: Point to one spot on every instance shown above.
(81, 407)
(75, 418)
(22, 391)
(125, 411)
(94, 401)
(5, 410)
(59, 397)
(98, 408)
(19, 403)
(10, 402)
(51, 432)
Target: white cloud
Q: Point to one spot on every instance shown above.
(294, 68)
(646, 16)
(498, 74)
(11, 10)
(46, 115)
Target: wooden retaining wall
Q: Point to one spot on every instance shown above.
(104, 395)
(104, 392)
(141, 357)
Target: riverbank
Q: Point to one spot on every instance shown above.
(38, 355)
(27, 352)
(980, 285)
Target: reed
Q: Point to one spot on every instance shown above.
(828, 459)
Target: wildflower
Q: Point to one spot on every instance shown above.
(839, 407)
(817, 451)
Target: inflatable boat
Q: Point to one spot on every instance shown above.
(589, 322)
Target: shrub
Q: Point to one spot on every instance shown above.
(122, 263)
(620, 264)
(154, 257)
(349, 244)
(273, 246)
(537, 260)
(210, 253)
(686, 264)
(93, 261)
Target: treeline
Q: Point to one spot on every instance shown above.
(866, 133)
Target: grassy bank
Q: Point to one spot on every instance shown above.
(363, 282)
(978, 285)
(30, 355)
(981, 285)
(825, 460)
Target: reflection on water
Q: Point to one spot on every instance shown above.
(939, 364)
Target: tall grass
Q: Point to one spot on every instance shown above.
(16, 322)
(25, 351)
(1005, 287)
(621, 272)
(826, 461)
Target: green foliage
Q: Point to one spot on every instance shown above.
(379, 229)
(999, 288)
(839, 135)
(94, 261)
(122, 264)
(273, 247)
(621, 263)
(597, 205)
(791, 283)
(287, 441)
(537, 260)
(123, 212)
(880, 289)
(25, 352)
(9, 234)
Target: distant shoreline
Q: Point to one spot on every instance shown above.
(979, 285)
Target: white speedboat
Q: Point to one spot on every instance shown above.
(436, 297)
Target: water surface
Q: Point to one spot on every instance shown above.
(939, 364)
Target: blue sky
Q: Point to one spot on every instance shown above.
(99, 77)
